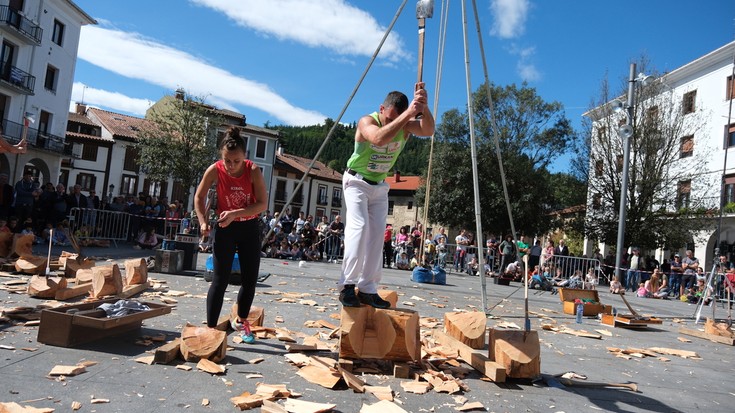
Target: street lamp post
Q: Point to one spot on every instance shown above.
(625, 132)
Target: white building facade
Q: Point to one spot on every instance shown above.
(705, 89)
(38, 56)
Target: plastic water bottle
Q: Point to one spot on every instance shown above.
(580, 312)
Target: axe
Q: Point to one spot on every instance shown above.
(424, 10)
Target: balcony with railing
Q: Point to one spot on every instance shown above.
(336, 202)
(322, 200)
(16, 78)
(13, 132)
(21, 25)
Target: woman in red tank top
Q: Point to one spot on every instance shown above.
(241, 196)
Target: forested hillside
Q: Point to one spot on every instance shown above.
(305, 141)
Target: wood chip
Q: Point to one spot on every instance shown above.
(297, 359)
(67, 370)
(256, 360)
(318, 375)
(76, 405)
(184, 367)
(205, 402)
(418, 387)
(99, 401)
(6, 347)
(381, 392)
(309, 302)
(470, 406)
(210, 367)
(605, 332)
(149, 360)
(674, 352)
(684, 340)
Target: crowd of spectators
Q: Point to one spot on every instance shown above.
(31, 208)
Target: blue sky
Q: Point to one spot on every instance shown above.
(297, 61)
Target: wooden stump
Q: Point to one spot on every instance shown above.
(83, 276)
(45, 287)
(73, 265)
(203, 343)
(468, 328)
(106, 281)
(388, 334)
(136, 271)
(255, 316)
(6, 243)
(31, 265)
(22, 245)
(518, 351)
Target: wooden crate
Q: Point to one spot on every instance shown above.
(62, 328)
(568, 295)
(629, 320)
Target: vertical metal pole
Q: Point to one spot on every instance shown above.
(626, 163)
(473, 150)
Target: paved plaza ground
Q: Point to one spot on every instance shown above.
(666, 384)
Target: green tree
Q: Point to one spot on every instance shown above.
(180, 142)
(532, 133)
(660, 208)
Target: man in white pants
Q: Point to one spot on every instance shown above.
(379, 139)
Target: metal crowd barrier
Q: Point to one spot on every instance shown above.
(89, 223)
(569, 265)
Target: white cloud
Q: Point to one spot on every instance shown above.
(332, 24)
(112, 100)
(526, 69)
(510, 17)
(134, 56)
(528, 72)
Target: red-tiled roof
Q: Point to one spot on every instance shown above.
(76, 117)
(87, 137)
(319, 170)
(405, 183)
(119, 124)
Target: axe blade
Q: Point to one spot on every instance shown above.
(424, 9)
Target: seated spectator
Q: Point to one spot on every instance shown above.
(4, 226)
(402, 262)
(473, 266)
(641, 291)
(591, 280)
(513, 270)
(312, 254)
(615, 286)
(655, 287)
(147, 240)
(700, 291)
(28, 230)
(414, 263)
(575, 281)
(59, 237)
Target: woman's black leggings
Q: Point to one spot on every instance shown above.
(243, 237)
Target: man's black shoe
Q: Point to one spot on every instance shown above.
(373, 300)
(348, 298)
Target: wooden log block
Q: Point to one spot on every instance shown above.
(256, 316)
(71, 292)
(131, 290)
(31, 264)
(22, 245)
(6, 243)
(74, 265)
(136, 271)
(106, 281)
(467, 327)
(388, 334)
(45, 287)
(167, 352)
(84, 276)
(518, 351)
(479, 361)
(203, 342)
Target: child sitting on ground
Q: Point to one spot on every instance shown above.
(59, 237)
(615, 286)
(402, 262)
(147, 239)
